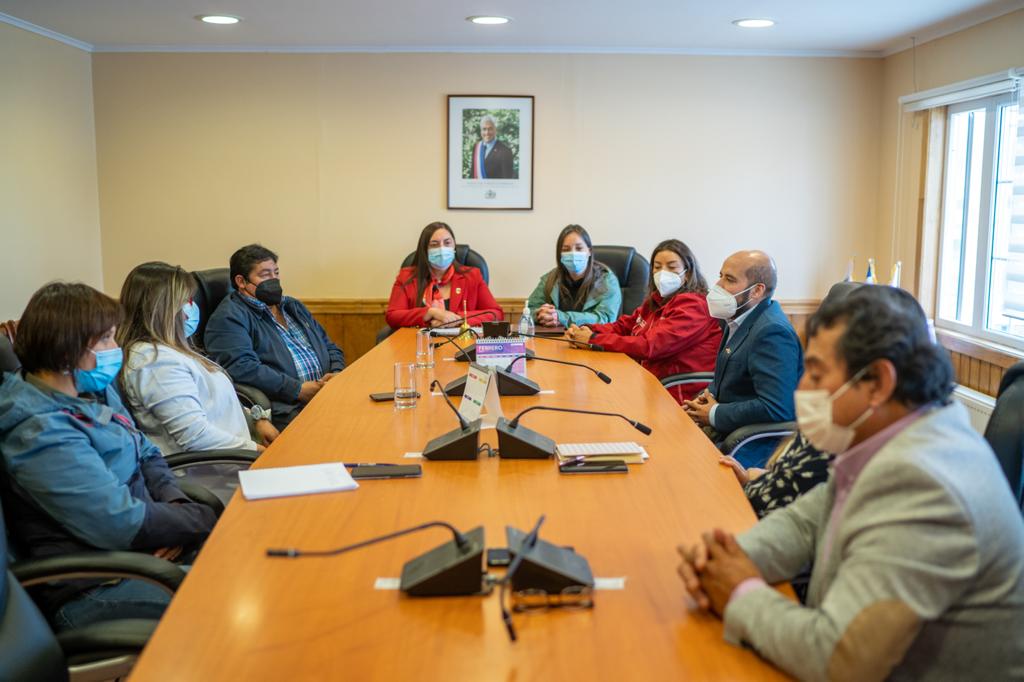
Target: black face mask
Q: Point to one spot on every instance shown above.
(269, 291)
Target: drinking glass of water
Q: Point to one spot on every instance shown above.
(424, 349)
(405, 385)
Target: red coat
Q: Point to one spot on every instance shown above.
(681, 336)
(406, 310)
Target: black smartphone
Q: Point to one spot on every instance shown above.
(386, 397)
(498, 557)
(387, 471)
(613, 466)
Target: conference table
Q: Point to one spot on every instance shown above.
(241, 615)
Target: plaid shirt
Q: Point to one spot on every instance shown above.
(307, 364)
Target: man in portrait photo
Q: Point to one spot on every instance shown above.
(492, 159)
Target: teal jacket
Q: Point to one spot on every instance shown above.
(600, 307)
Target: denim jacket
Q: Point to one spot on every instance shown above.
(77, 474)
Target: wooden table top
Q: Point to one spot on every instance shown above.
(243, 616)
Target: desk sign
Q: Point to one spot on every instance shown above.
(500, 352)
(480, 399)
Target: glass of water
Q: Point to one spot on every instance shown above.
(405, 385)
(424, 349)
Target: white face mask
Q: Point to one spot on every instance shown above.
(814, 417)
(667, 282)
(722, 304)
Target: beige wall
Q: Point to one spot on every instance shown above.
(977, 51)
(49, 209)
(337, 160)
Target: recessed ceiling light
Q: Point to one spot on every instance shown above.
(223, 19)
(489, 21)
(754, 23)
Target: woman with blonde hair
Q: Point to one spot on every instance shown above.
(181, 400)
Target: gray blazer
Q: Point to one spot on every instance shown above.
(925, 576)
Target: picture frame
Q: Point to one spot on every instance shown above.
(490, 152)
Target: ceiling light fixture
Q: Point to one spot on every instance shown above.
(488, 20)
(754, 23)
(221, 19)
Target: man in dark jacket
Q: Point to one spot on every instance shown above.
(270, 341)
(492, 159)
(759, 361)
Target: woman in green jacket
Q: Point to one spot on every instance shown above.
(579, 290)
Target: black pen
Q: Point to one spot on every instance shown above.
(370, 464)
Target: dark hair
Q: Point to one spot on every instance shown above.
(246, 258)
(884, 322)
(764, 273)
(593, 276)
(694, 283)
(60, 323)
(420, 262)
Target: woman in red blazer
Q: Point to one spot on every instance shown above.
(671, 332)
(434, 289)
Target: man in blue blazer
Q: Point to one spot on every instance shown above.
(268, 340)
(759, 361)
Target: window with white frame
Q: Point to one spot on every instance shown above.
(981, 242)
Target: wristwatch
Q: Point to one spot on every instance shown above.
(258, 412)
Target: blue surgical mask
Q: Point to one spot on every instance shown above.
(441, 257)
(96, 380)
(191, 311)
(575, 261)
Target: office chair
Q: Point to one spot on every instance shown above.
(631, 269)
(213, 285)
(1005, 430)
(101, 651)
(464, 255)
(9, 362)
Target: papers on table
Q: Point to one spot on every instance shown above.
(309, 479)
(629, 452)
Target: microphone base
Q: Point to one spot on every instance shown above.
(458, 444)
(469, 354)
(546, 566)
(508, 384)
(447, 571)
(522, 443)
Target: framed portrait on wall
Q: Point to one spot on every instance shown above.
(490, 152)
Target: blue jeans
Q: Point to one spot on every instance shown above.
(126, 599)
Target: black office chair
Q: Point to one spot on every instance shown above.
(632, 270)
(751, 433)
(213, 285)
(9, 362)
(1005, 430)
(104, 650)
(464, 255)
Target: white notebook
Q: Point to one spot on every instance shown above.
(259, 484)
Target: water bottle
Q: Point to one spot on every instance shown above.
(526, 324)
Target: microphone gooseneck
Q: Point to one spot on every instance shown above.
(528, 543)
(440, 388)
(291, 552)
(642, 428)
(600, 375)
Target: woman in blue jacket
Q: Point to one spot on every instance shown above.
(579, 290)
(77, 473)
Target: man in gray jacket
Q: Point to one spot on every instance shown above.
(916, 543)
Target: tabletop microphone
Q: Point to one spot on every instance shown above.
(454, 568)
(458, 444)
(588, 346)
(600, 375)
(519, 442)
(508, 383)
(461, 320)
(529, 542)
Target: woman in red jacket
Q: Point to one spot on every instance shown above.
(671, 332)
(434, 289)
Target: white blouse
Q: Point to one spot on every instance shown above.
(179, 404)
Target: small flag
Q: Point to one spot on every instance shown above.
(897, 270)
(849, 271)
(870, 278)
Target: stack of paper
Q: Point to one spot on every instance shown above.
(259, 484)
(629, 452)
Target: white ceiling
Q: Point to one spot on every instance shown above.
(856, 27)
